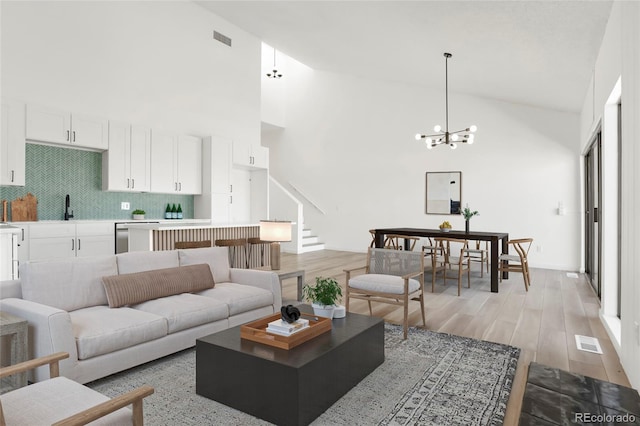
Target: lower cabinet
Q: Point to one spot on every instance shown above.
(60, 240)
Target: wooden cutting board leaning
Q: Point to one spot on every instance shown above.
(24, 209)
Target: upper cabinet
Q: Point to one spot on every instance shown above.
(126, 165)
(176, 163)
(12, 144)
(250, 156)
(52, 125)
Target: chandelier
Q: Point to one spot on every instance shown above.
(275, 73)
(446, 137)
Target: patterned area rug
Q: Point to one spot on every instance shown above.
(428, 379)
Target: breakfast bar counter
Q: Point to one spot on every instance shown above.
(164, 236)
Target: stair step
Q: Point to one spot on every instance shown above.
(309, 240)
(312, 247)
(306, 232)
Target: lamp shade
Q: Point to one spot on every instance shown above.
(275, 230)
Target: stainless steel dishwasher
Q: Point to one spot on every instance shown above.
(122, 234)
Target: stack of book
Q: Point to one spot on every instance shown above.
(284, 328)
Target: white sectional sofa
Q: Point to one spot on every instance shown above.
(112, 313)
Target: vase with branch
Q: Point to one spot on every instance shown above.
(468, 214)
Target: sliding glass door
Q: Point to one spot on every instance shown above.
(593, 212)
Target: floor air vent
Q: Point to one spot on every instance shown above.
(588, 344)
(222, 38)
(572, 275)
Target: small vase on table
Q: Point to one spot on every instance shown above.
(466, 226)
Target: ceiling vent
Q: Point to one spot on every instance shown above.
(222, 38)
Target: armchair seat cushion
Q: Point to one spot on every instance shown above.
(33, 405)
(100, 330)
(383, 283)
(186, 310)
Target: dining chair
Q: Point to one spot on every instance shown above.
(434, 261)
(453, 254)
(390, 276)
(397, 242)
(517, 262)
(61, 401)
(480, 255)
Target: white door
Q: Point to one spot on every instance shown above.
(48, 124)
(189, 161)
(116, 176)
(89, 132)
(241, 196)
(12, 144)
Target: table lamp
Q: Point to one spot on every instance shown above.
(275, 232)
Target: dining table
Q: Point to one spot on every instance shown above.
(495, 238)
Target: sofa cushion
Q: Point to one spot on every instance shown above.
(100, 330)
(216, 257)
(383, 283)
(186, 310)
(67, 284)
(240, 298)
(129, 289)
(140, 261)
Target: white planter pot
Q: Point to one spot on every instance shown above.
(322, 310)
(138, 217)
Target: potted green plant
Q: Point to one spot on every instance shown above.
(323, 295)
(468, 214)
(138, 214)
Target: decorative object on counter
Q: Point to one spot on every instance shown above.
(468, 214)
(445, 226)
(179, 211)
(275, 232)
(167, 212)
(5, 212)
(24, 209)
(174, 212)
(323, 295)
(138, 214)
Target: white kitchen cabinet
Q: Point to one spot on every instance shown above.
(12, 144)
(126, 165)
(62, 240)
(44, 124)
(176, 163)
(250, 156)
(8, 252)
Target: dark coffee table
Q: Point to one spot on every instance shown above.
(289, 387)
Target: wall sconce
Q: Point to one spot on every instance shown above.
(275, 232)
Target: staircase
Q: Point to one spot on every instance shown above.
(310, 242)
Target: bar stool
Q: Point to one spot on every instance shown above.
(252, 242)
(191, 244)
(234, 245)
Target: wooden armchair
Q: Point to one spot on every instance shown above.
(391, 276)
(61, 401)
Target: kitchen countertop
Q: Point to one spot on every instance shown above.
(187, 224)
(5, 228)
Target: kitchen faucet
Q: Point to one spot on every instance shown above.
(67, 203)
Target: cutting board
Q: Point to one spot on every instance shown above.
(24, 209)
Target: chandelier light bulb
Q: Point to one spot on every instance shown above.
(454, 137)
(473, 128)
(437, 128)
(429, 145)
(418, 136)
(470, 141)
(453, 146)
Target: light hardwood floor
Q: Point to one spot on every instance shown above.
(542, 322)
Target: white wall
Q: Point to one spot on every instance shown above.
(349, 145)
(150, 63)
(619, 58)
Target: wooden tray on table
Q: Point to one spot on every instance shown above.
(256, 331)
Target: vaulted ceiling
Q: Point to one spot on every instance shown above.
(539, 53)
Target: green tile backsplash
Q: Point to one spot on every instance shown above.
(52, 173)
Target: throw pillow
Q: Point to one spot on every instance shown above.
(129, 289)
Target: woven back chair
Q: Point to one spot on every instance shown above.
(390, 276)
(517, 262)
